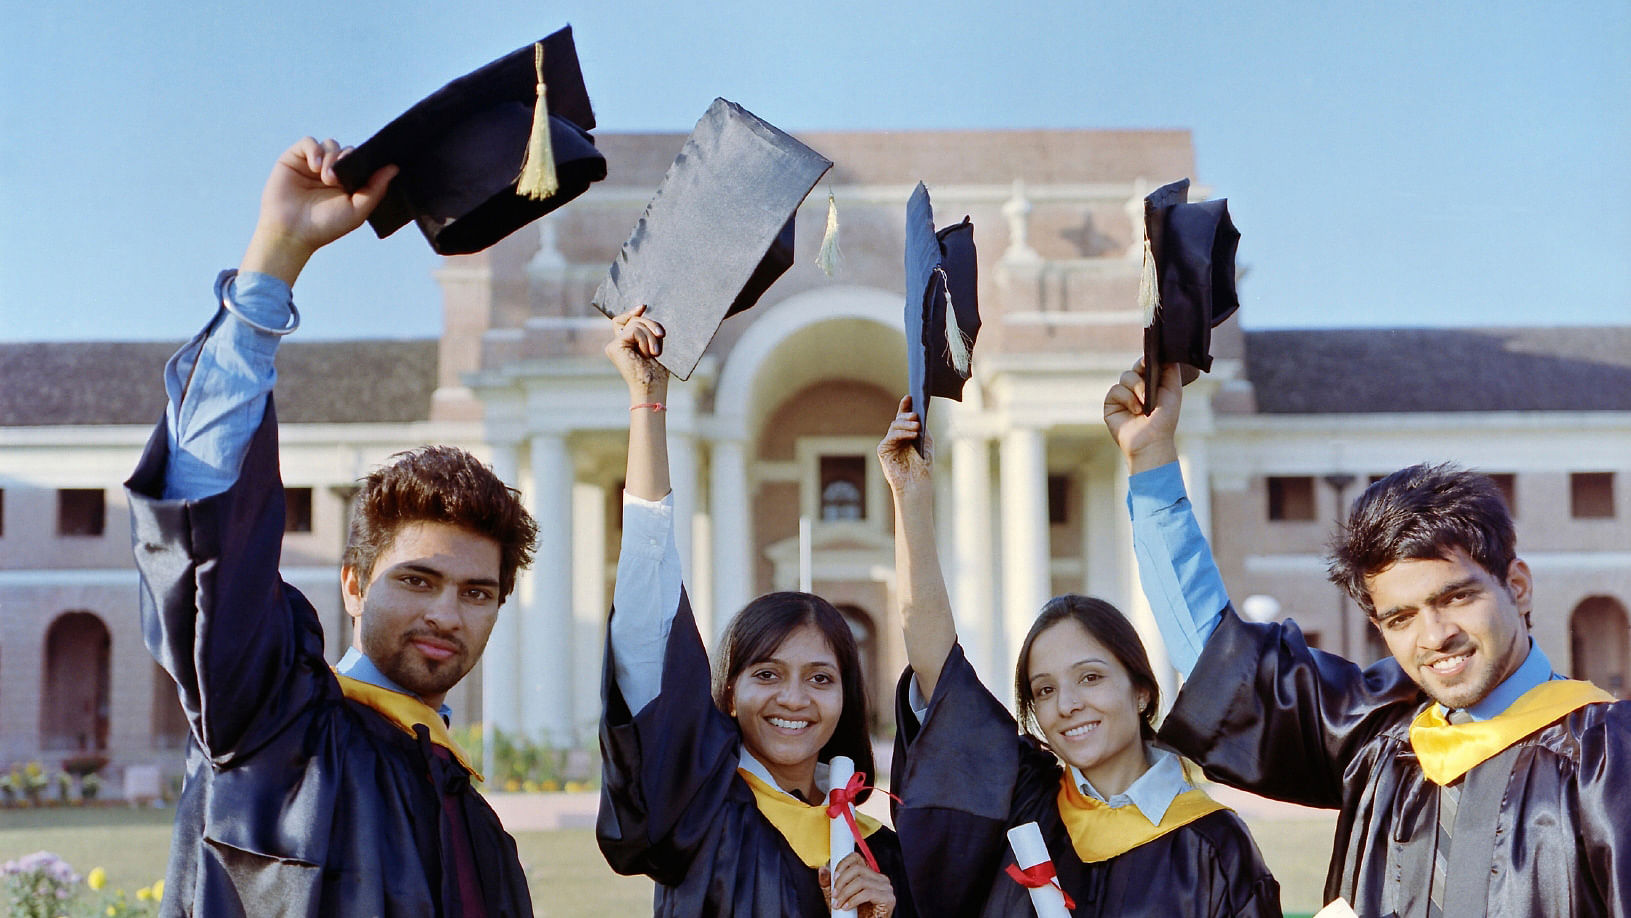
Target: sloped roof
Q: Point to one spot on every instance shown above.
(1363, 371)
(122, 382)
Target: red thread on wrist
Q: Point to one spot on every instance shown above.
(654, 406)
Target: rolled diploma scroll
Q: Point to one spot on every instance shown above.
(840, 839)
(1026, 840)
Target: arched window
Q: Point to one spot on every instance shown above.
(860, 625)
(1600, 644)
(169, 720)
(843, 488)
(74, 706)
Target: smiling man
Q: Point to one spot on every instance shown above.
(310, 790)
(1471, 778)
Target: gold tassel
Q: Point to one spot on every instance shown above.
(1149, 287)
(829, 256)
(957, 343)
(538, 179)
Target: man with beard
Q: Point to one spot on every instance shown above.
(310, 790)
(1471, 778)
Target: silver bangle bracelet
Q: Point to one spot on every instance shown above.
(224, 285)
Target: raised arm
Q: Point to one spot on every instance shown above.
(926, 617)
(206, 504)
(1175, 564)
(647, 594)
(218, 384)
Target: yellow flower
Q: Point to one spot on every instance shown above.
(96, 879)
(158, 890)
(145, 893)
(110, 912)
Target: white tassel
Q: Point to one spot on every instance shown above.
(1149, 287)
(957, 343)
(829, 256)
(538, 180)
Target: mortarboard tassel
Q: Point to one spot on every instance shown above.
(1149, 287)
(957, 343)
(829, 256)
(538, 179)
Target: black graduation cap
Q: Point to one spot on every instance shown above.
(462, 149)
(1188, 286)
(942, 305)
(717, 234)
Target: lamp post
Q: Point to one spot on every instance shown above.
(1339, 482)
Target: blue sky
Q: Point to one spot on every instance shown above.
(1440, 163)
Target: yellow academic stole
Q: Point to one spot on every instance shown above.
(804, 825)
(1099, 831)
(406, 712)
(1447, 751)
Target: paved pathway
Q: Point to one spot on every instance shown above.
(576, 810)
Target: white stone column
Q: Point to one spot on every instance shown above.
(682, 472)
(979, 624)
(500, 664)
(546, 635)
(589, 604)
(1025, 552)
(731, 505)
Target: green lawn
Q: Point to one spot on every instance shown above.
(568, 877)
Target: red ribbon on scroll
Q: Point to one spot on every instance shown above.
(1039, 876)
(842, 803)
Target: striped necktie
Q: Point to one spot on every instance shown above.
(1449, 801)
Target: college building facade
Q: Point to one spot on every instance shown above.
(772, 444)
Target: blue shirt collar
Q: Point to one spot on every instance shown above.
(1534, 670)
(356, 665)
(1152, 792)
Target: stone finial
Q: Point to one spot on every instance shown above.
(548, 262)
(1135, 218)
(1018, 211)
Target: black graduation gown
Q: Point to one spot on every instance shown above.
(966, 776)
(673, 807)
(1264, 712)
(297, 801)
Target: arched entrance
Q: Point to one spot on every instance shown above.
(1600, 644)
(74, 706)
(861, 625)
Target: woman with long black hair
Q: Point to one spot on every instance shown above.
(1125, 831)
(716, 788)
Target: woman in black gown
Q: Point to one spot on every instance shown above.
(1126, 832)
(717, 791)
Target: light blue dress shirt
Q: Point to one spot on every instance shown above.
(358, 666)
(217, 386)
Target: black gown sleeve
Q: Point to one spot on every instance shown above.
(963, 777)
(666, 771)
(1605, 808)
(245, 649)
(1265, 712)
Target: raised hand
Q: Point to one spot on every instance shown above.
(304, 207)
(1147, 441)
(903, 467)
(636, 343)
(859, 887)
